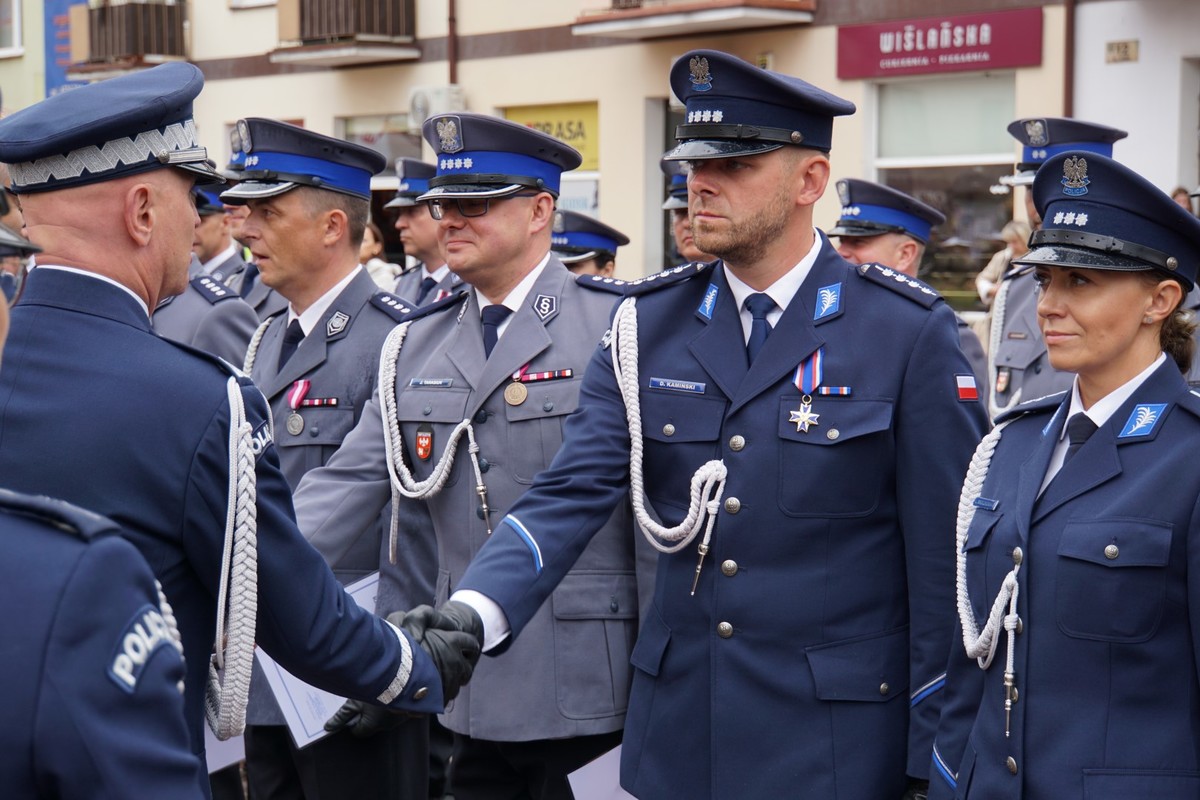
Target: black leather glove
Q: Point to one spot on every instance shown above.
(452, 636)
(364, 719)
(917, 790)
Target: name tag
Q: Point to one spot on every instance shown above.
(431, 383)
(672, 385)
(985, 503)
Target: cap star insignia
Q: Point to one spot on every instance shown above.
(803, 417)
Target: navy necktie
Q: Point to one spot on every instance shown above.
(1079, 429)
(759, 305)
(492, 317)
(291, 339)
(251, 276)
(427, 284)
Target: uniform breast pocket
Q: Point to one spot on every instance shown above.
(1112, 578)
(681, 433)
(838, 467)
(312, 442)
(535, 426)
(427, 418)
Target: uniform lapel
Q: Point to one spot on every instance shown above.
(720, 347)
(334, 325)
(1033, 470)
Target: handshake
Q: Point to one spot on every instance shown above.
(452, 637)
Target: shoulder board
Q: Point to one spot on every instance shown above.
(650, 283)
(449, 301)
(391, 305)
(1191, 399)
(1048, 402)
(60, 514)
(212, 290)
(916, 290)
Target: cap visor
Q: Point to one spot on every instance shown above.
(673, 203)
(1082, 258)
(207, 170)
(574, 258)
(1020, 179)
(850, 230)
(255, 190)
(701, 149)
(400, 202)
(480, 190)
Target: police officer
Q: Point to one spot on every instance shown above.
(309, 201)
(1075, 673)
(89, 713)
(220, 256)
(798, 427)
(475, 394)
(265, 301)
(430, 279)
(170, 443)
(1019, 368)
(584, 245)
(208, 314)
(881, 225)
(677, 204)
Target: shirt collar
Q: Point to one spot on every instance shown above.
(438, 274)
(220, 258)
(141, 303)
(516, 298)
(783, 290)
(312, 315)
(1103, 409)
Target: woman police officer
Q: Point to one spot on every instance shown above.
(1079, 524)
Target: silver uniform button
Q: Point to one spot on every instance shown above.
(668, 429)
(419, 694)
(724, 630)
(1111, 552)
(1011, 763)
(884, 689)
(832, 434)
(737, 443)
(733, 505)
(729, 568)
(1017, 556)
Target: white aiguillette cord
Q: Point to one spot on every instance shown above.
(708, 482)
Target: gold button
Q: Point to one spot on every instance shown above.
(736, 443)
(668, 429)
(419, 694)
(832, 434)
(724, 630)
(884, 689)
(733, 505)
(1017, 555)
(1011, 763)
(729, 567)
(1111, 552)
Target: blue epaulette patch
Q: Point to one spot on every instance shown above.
(62, 515)
(1047, 402)
(391, 305)
(446, 302)
(649, 283)
(211, 290)
(915, 290)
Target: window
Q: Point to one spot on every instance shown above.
(944, 141)
(10, 28)
(387, 133)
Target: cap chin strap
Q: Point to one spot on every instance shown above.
(1105, 244)
(237, 601)
(708, 482)
(402, 481)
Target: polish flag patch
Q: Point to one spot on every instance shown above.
(967, 390)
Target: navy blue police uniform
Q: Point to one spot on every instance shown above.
(1091, 689)
(1019, 368)
(145, 425)
(872, 209)
(800, 652)
(93, 676)
(316, 396)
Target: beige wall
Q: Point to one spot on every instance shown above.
(23, 78)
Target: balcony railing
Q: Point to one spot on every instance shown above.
(135, 31)
(326, 21)
(648, 19)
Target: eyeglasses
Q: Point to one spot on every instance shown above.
(468, 206)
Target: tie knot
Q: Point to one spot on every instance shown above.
(1080, 428)
(759, 305)
(495, 314)
(294, 332)
(427, 284)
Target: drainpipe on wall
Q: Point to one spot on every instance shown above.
(452, 40)
(1068, 58)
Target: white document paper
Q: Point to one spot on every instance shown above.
(306, 708)
(600, 779)
(220, 755)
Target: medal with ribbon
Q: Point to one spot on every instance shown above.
(516, 392)
(295, 396)
(807, 379)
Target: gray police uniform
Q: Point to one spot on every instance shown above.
(231, 271)
(1019, 364)
(265, 301)
(408, 286)
(208, 316)
(569, 673)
